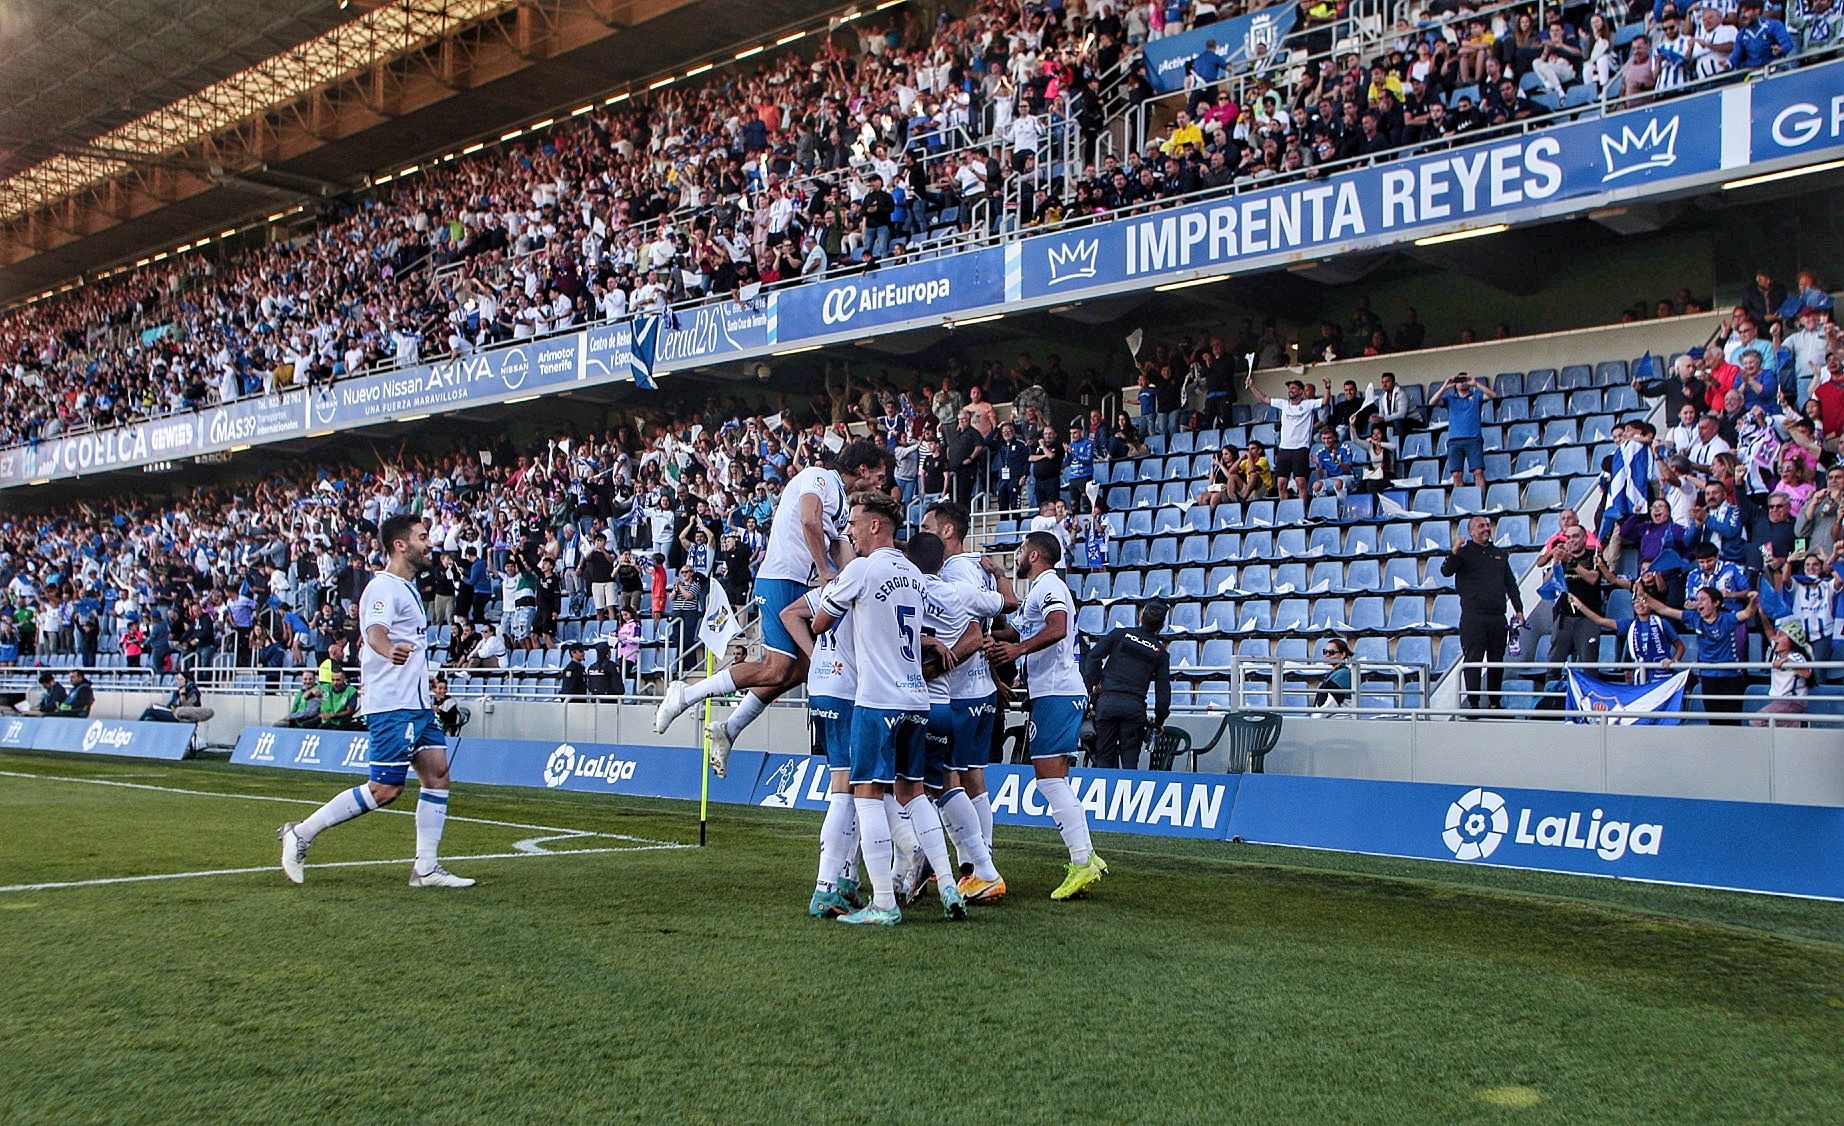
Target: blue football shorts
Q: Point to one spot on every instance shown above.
(773, 596)
(887, 745)
(832, 720)
(396, 737)
(1056, 726)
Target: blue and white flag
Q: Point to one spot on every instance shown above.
(1626, 703)
(1630, 490)
(1645, 369)
(645, 346)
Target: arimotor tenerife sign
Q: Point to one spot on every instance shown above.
(1558, 170)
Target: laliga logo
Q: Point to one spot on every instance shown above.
(1653, 147)
(101, 734)
(559, 767)
(1071, 262)
(784, 784)
(1475, 825)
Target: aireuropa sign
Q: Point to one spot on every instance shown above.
(1563, 169)
(122, 738)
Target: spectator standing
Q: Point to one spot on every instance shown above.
(1482, 575)
(574, 678)
(1791, 678)
(1759, 40)
(1719, 632)
(1465, 441)
(1646, 638)
(1292, 464)
(603, 676)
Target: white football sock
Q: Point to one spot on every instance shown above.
(874, 840)
(747, 709)
(838, 837)
(1071, 818)
(927, 821)
(982, 807)
(719, 684)
(902, 830)
(431, 815)
(963, 825)
(343, 806)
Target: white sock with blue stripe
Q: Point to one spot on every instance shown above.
(926, 820)
(838, 841)
(431, 815)
(982, 808)
(963, 826)
(343, 806)
(1071, 818)
(902, 830)
(874, 839)
(747, 709)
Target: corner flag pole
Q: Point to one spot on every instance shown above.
(704, 763)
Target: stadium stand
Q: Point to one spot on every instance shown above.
(891, 140)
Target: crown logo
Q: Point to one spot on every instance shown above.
(1072, 261)
(1655, 146)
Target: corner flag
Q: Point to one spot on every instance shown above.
(719, 624)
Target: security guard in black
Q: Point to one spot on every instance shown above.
(1119, 668)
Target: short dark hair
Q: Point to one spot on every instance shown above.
(1152, 614)
(927, 552)
(882, 505)
(953, 514)
(396, 528)
(862, 454)
(1045, 545)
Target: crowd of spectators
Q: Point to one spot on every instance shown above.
(799, 164)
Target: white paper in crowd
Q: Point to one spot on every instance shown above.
(1134, 339)
(772, 422)
(834, 441)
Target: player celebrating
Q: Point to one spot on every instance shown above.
(883, 592)
(832, 685)
(1059, 700)
(398, 713)
(952, 632)
(973, 701)
(806, 548)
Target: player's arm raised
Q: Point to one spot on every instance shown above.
(813, 530)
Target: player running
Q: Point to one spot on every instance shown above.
(973, 700)
(832, 685)
(398, 712)
(883, 592)
(952, 634)
(1059, 700)
(806, 548)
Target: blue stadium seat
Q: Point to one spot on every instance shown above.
(1415, 649)
(1401, 574)
(1560, 432)
(1366, 614)
(1187, 616)
(1200, 468)
(1218, 576)
(1194, 548)
(1090, 620)
(1504, 496)
(1619, 604)
(1550, 404)
(1585, 401)
(1522, 435)
(1290, 542)
(1258, 545)
(1529, 460)
(1157, 584)
(1174, 492)
(1220, 617)
(1363, 575)
(1289, 575)
(1292, 614)
(1323, 508)
(1512, 531)
(1225, 546)
(1407, 613)
(1597, 428)
(1508, 383)
(1361, 540)
(1448, 652)
(1197, 518)
(1122, 614)
(1398, 537)
(1226, 518)
(1610, 373)
(1514, 409)
(1466, 499)
(1259, 514)
(1328, 614)
(1181, 443)
(1256, 578)
(1431, 501)
(1445, 612)
(1324, 539)
(1574, 377)
(1145, 496)
(1622, 399)
(1255, 648)
(1539, 380)
(1290, 511)
(1126, 585)
(1139, 523)
(1168, 521)
(1132, 553)
(1371, 649)
(1212, 694)
(1190, 583)
(1497, 466)
(1120, 498)
(1542, 494)
(1472, 91)
(1183, 653)
(1570, 461)
(1216, 652)
(1162, 552)
(1331, 573)
(1418, 444)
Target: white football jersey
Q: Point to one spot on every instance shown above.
(883, 593)
(948, 608)
(392, 602)
(787, 556)
(833, 672)
(1052, 671)
(972, 678)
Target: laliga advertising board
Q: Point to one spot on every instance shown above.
(1743, 846)
(125, 739)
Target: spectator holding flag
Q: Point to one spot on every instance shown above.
(1629, 484)
(1645, 638)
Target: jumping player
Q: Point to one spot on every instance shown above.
(806, 548)
(832, 685)
(398, 712)
(1059, 700)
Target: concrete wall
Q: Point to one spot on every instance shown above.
(1804, 767)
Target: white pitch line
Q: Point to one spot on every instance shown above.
(310, 801)
(272, 869)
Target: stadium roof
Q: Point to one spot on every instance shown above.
(262, 108)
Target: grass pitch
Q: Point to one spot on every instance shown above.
(618, 978)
